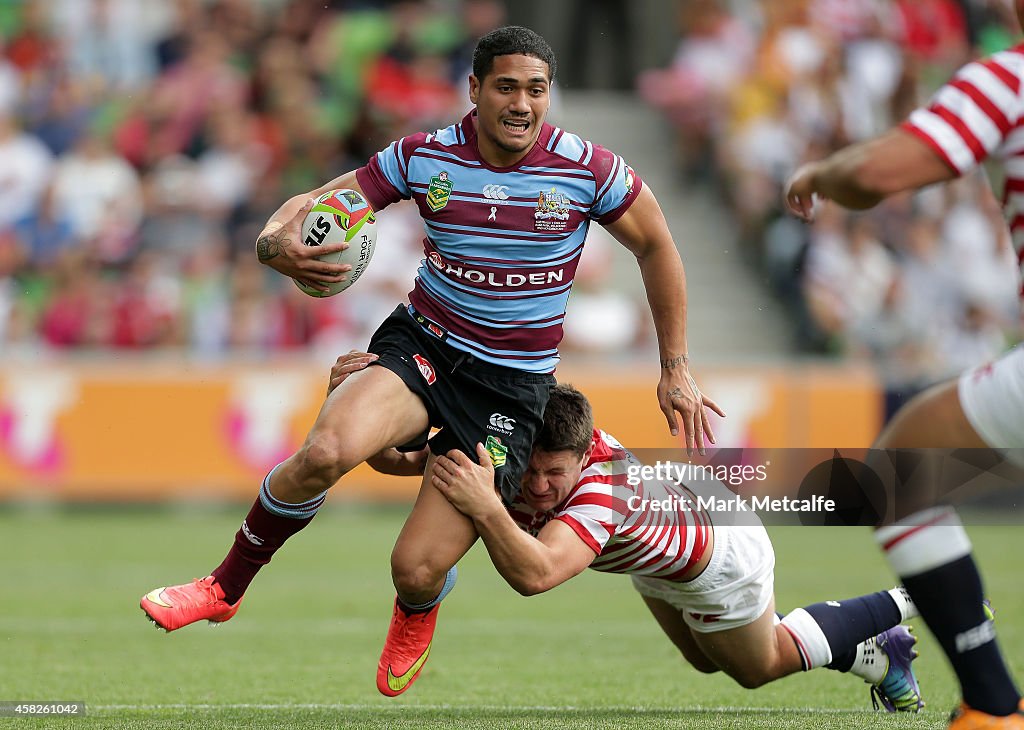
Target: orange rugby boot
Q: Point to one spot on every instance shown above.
(172, 607)
(405, 650)
(966, 718)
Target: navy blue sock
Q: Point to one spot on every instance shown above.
(847, 623)
(949, 598)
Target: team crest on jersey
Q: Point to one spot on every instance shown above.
(552, 212)
(497, 450)
(439, 190)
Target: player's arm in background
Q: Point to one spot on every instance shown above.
(280, 244)
(529, 564)
(642, 229)
(862, 175)
(965, 121)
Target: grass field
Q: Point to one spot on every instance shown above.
(303, 650)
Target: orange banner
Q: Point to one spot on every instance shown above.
(143, 432)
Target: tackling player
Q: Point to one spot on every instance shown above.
(506, 200)
(710, 587)
(976, 115)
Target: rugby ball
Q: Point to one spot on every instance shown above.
(341, 215)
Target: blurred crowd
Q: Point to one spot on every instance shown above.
(924, 285)
(144, 143)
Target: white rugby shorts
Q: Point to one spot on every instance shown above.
(992, 398)
(735, 589)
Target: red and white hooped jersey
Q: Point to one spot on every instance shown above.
(613, 516)
(979, 114)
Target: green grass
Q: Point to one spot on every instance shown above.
(303, 650)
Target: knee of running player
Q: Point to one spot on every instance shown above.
(416, 578)
(321, 461)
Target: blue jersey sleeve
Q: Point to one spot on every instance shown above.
(617, 186)
(385, 178)
(394, 168)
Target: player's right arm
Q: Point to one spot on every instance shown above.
(864, 174)
(966, 121)
(280, 246)
(381, 181)
(529, 564)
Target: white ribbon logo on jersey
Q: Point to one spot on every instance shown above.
(501, 424)
(496, 192)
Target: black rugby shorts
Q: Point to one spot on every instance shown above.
(471, 401)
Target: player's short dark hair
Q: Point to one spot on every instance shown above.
(511, 40)
(568, 422)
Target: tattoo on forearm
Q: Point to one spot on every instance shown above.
(674, 362)
(269, 245)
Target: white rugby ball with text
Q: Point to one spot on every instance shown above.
(337, 216)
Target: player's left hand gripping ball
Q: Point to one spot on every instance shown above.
(336, 217)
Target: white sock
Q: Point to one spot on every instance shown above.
(810, 639)
(923, 541)
(871, 663)
(904, 603)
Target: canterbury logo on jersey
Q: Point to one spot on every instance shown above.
(501, 424)
(496, 192)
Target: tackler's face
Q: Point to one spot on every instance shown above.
(549, 477)
(511, 102)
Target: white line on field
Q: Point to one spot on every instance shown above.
(467, 708)
(74, 624)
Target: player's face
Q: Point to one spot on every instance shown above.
(1020, 12)
(549, 477)
(511, 104)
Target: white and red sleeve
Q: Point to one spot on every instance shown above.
(969, 118)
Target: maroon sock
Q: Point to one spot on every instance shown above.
(260, 536)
